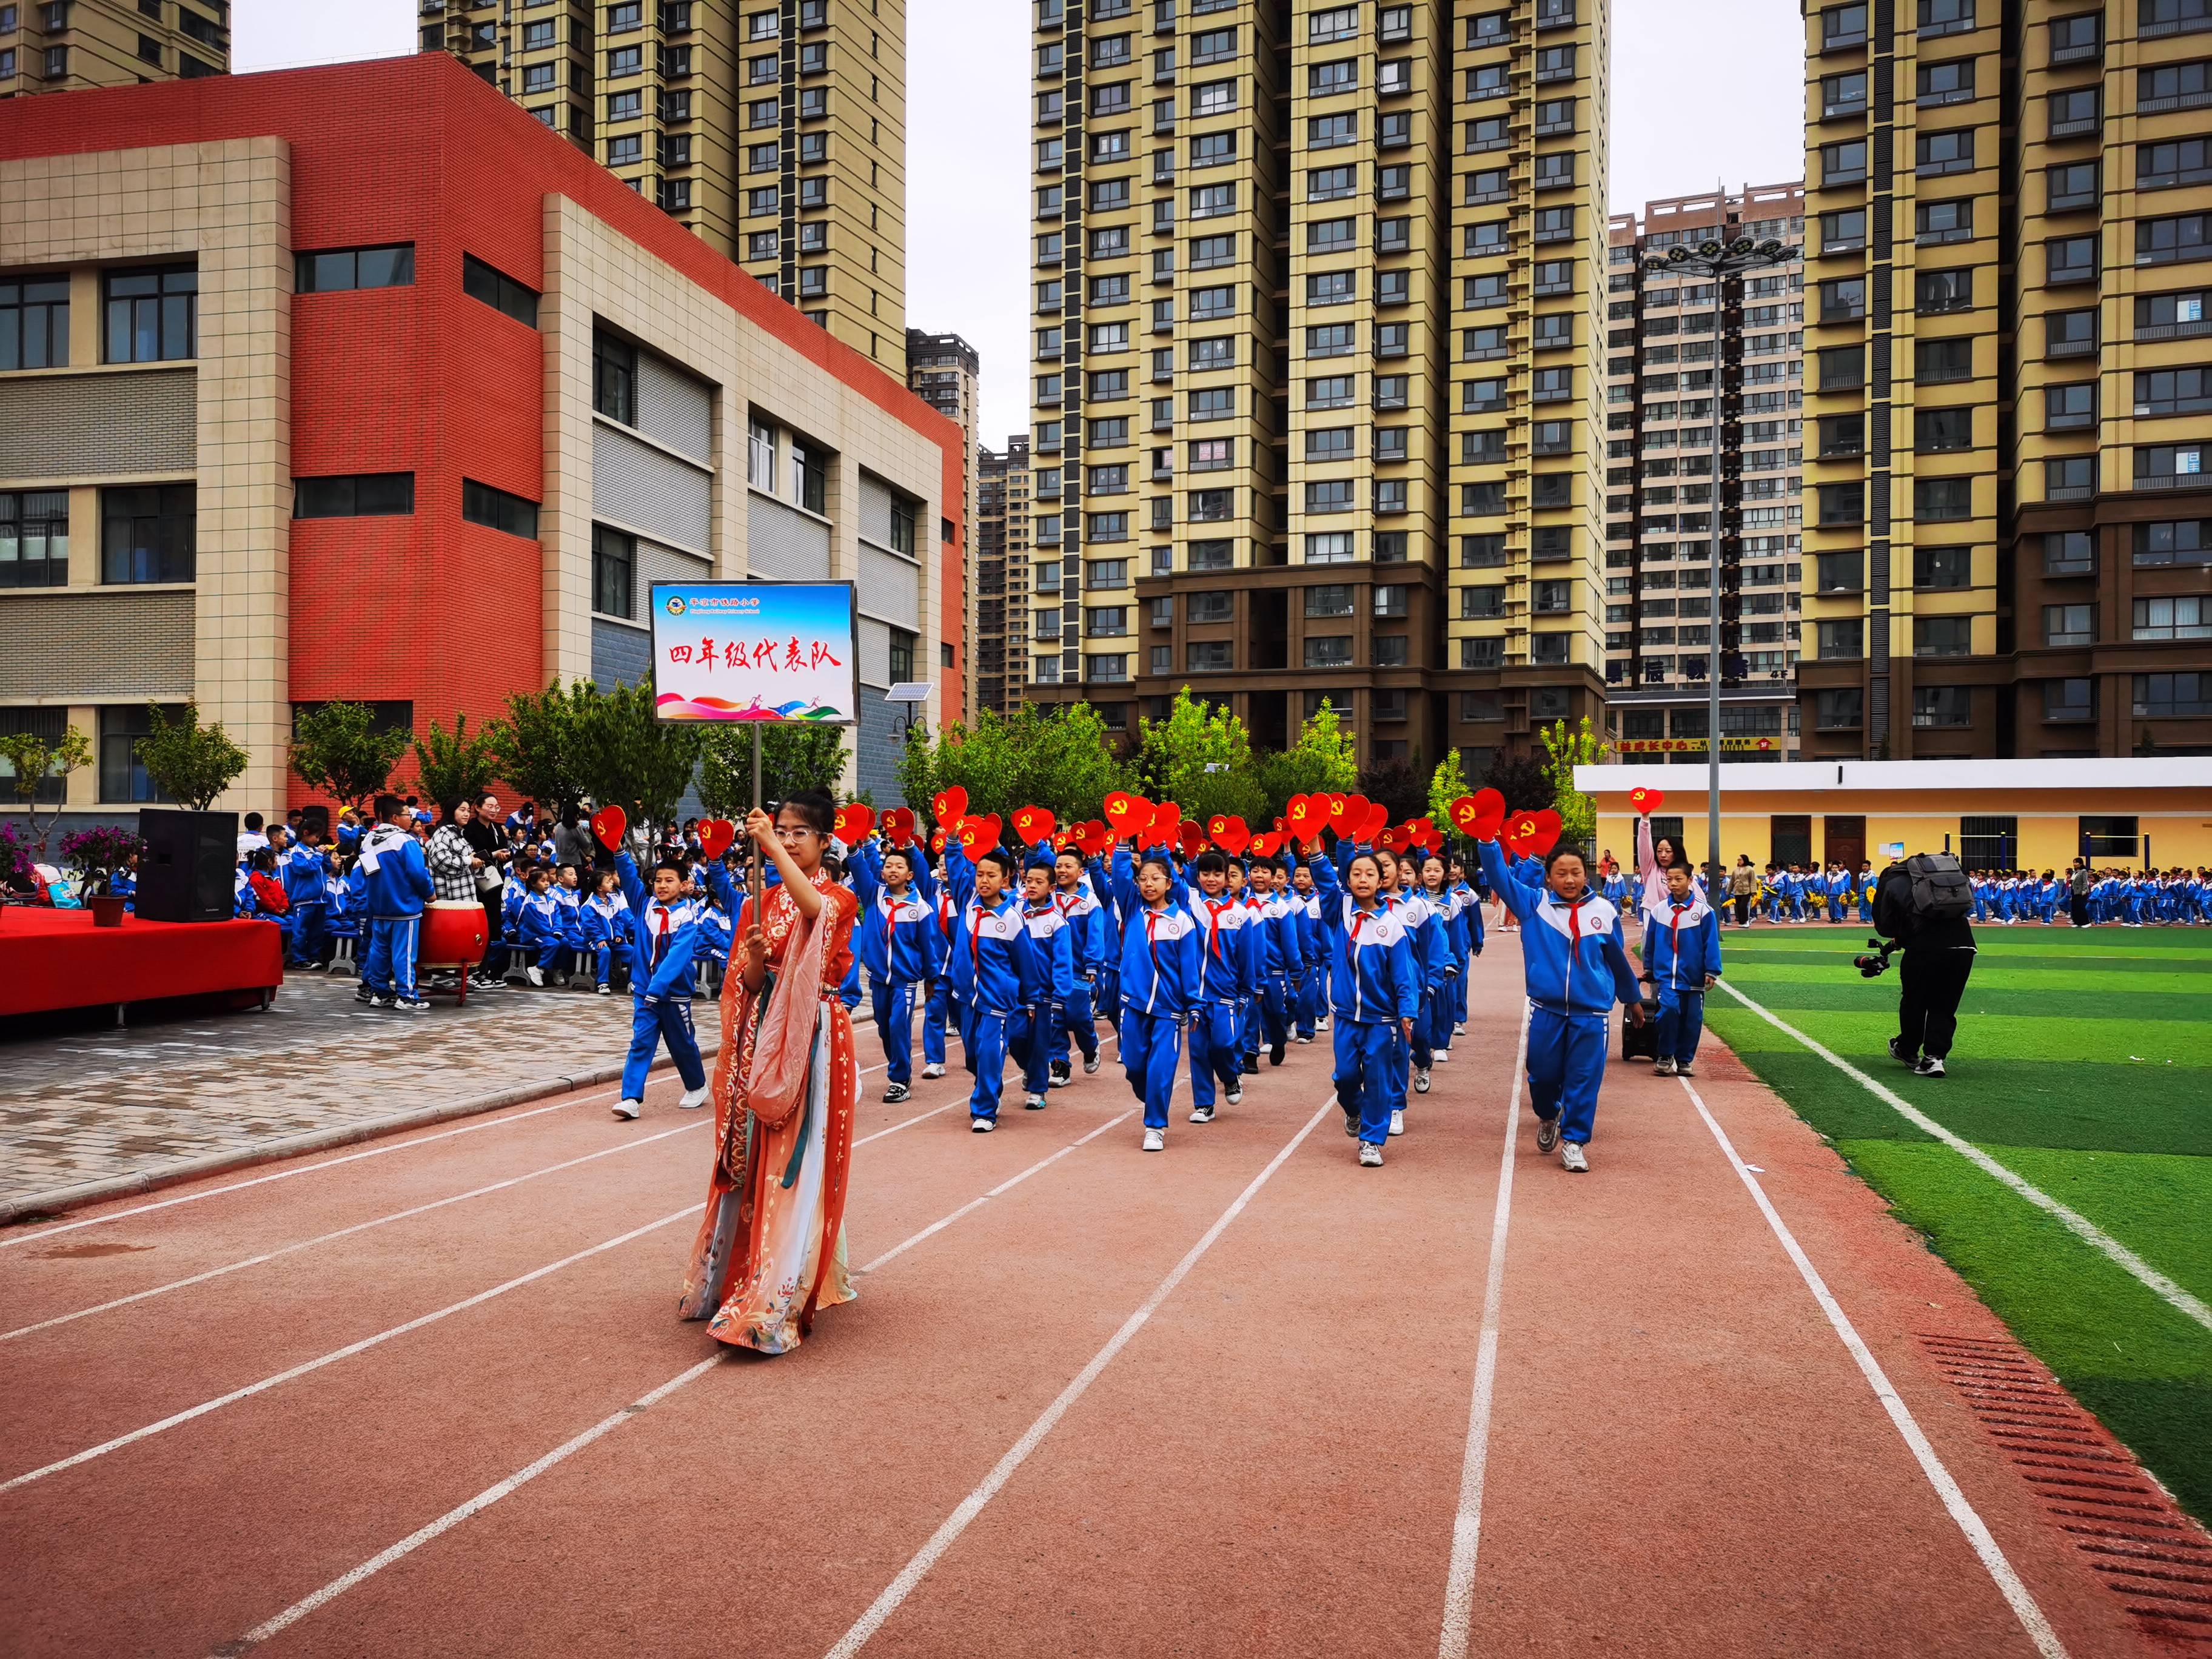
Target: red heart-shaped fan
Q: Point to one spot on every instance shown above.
(716, 835)
(854, 821)
(1233, 837)
(1520, 829)
(1121, 812)
(1544, 832)
(607, 824)
(949, 804)
(1378, 818)
(1191, 839)
(1489, 813)
(1465, 814)
(1646, 801)
(1298, 813)
(1034, 824)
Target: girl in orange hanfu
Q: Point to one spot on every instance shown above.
(771, 1250)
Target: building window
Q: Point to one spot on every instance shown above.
(614, 566)
(122, 777)
(1942, 706)
(1942, 499)
(340, 269)
(1943, 222)
(149, 534)
(614, 378)
(516, 515)
(1330, 651)
(2069, 624)
(2165, 696)
(1209, 656)
(34, 324)
(2166, 466)
(1842, 641)
(358, 496)
(1943, 636)
(2068, 553)
(35, 538)
(152, 315)
(496, 289)
(1937, 361)
(2184, 618)
(1940, 431)
(2174, 541)
(2068, 703)
(1332, 547)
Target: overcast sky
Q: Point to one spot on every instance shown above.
(1702, 91)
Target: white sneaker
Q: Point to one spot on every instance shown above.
(932, 1071)
(1572, 1160)
(1201, 1114)
(982, 1125)
(535, 975)
(1370, 1155)
(1235, 1096)
(895, 1093)
(1664, 1068)
(629, 1108)
(1929, 1066)
(1421, 1080)
(1090, 1066)
(1440, 1057)
(1460, 1029)
(1033, 1103)
(1156, 1140)
(693, 1098)
(1398, 1122)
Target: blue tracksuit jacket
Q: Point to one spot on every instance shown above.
(1373, 976)
(400, 885)
(1573, 954)
(1682, 944)
(1160, 964)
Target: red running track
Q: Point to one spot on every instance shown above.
(1241, 1398)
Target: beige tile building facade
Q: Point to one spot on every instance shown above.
(776, 131)
(1676, 348)
(1004, 572)
(66, 45)
(1318, 389)
(2008, 527)
(944, 371)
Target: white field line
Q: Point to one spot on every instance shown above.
(2174, 1296)
(946, 1534)
(1978, 1535)
(529, 1472)
(1466, 1525)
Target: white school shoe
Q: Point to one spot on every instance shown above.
(693, 1098)
(535, 975)
(1572, 1160)
(1235, 1096)
(1664, 1068)
(932, 1073)
(1033, 1103)
(1156, 1140)
(895, 1093)
(1460, 1029)
(1440, 1057)
(982, 1125)
(1370, 1156)
(1201, 1114)
(1421, 1080)
(629, 1108)
(1090, 1066)
(1398, 1122)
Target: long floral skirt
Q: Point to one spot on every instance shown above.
(771, 1247)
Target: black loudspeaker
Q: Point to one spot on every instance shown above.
(187, 870)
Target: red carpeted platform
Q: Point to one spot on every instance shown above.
(53, 959)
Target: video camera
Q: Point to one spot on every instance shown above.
(1874, 967)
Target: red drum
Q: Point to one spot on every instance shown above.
(453, 934)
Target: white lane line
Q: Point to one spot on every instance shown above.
(1466, 1525)
(493, 1493)
(972, 1505)
(1977, 1532)
(347, 1232)
(2174, 1296)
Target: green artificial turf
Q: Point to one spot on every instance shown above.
(2082, 1064)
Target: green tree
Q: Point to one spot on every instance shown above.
(1565, 748)
(42, 768)
(538, 744)
(1201, 757)
(1524, 783)
(1446, 785)
(339, 750)
(625, 756)
(1397, 784)
(189, 763)
(456, 765)
(1061, 758)
(793, 756)
(1323, 760)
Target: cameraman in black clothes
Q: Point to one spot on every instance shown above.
(1939, 955)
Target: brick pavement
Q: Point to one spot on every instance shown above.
(98, 1105)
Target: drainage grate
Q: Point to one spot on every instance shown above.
(2136, 1539)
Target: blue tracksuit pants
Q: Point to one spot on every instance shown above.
(1566, 1063)
(1214, 1050)
(393, 944)
(985, 1035)
(1273, 1010)
(893, 1002)
(935, 1015)
(1034, 1029)
(1308, 999)
(1367, 1077)
(652, 1019)
(1077, 1019)
(606, 958)
(1436, 1015)
(1151, 1046)
(1681, 1022)
(307, 933)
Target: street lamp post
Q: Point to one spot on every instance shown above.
(1725, 260)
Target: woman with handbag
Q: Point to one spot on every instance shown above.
(487, 839)
(771, 1248)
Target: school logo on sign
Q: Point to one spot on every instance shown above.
(675, 604)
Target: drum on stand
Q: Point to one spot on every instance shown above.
(454, 936)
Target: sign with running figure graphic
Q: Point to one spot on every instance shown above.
(756, 651)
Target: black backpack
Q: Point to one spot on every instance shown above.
(1941, 892)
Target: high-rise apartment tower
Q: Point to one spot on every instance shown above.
(2006, 353)
(66, 45)
(1002, 576)
(944, 371)
(1319, 391)
(1678, 347)
(776, 131)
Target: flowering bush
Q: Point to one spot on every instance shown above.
(14, 858)
(99, 852)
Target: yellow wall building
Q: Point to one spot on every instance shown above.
(66, 46)
(2022, 815)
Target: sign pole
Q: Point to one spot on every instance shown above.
(760, 909)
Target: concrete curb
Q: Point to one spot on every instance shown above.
(19, 1211)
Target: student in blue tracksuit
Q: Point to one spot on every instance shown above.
(1106, 989)
(1224, 980)
(1377, 989)
(1086, 920)
(399, 885)
(993, 970)
(344, 896)
(670, 934)
(896, 940)
(1159, 979)
(1282, 955)
(1448, 944)
(941, 1011)
(1310, 990)
(1577, 969)
(1470, 913)
(608, 928)
(1839, 894)
(1042, 1011)
(1682, 954)
(303, 870)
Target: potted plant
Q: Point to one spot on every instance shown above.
(97, 854)
(19, 882)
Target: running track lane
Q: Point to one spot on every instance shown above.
(1271, 1464)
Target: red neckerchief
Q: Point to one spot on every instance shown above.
(1213, 922)
(1151, 939)
(1074, 897)
(1674, 929)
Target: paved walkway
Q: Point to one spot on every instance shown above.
(96, 1104)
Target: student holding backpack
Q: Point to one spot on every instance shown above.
(1923, 903)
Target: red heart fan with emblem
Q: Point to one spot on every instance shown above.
(1489, 813)
(854, 821)
(1298, 814)
(1191, 838)
(608, 824)
(1233, 836)
(937, 843)
(949, 804)
(1127, 813)
(1378, 819)
(1646, 801)
(1264, 845)
(1034, 824)
(716, 835)
(1544, 832)
(1519, 830)
(1465, 815)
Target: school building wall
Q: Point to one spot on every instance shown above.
(2020, 814)
(236, 174)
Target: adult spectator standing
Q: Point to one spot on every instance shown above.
(1743, 888)
(489, 843)
(2079, 881)
(572, 842)
(1923, 903)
